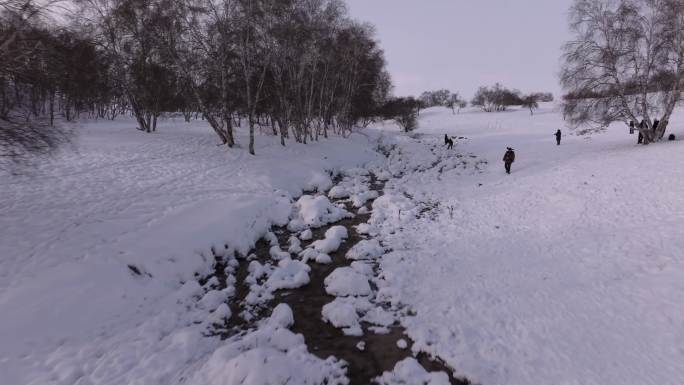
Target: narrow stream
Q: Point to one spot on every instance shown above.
(380, 352)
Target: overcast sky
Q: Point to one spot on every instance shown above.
(462, 44)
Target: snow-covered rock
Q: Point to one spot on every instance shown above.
(366, 249)
(289, 274)
(409, 371)
(332, 241)
(315, 211)
(345, 281)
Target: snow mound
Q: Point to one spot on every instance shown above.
(306, 235)
(319, 182)
(282, 316)
(342, 315)
(315, 211)
(271, 355)
(345, 281)
(289, 274)
(409, 371)
(345, 313)
(332, 241)
(278, 254)
(366, 249)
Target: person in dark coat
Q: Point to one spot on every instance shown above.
(448, 142)
(509, 158)
(642, 126)
(558, 137)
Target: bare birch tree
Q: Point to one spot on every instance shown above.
(626, 63)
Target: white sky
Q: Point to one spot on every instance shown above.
(462, 44)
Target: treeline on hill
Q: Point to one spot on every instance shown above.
(302, 68)
(443, 98)
(499, 98)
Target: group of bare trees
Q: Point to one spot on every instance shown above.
(299, 68)
(443, 98)
(625, 63)
(499, 98)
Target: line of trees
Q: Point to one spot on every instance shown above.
(302, 68)
(442, 98)
(499, 98)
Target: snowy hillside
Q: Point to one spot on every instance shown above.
(568, 271)
(72, 307)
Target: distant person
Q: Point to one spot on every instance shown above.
(449, 142)
(655, 127)
(631, 127)
(446, 139)
(642, 126)
(509, 158)
(558, 137)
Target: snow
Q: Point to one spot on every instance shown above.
(402, 344)
(355, 187)
(342, 314)
(316, 211)
(332, 241)
(73, 311)
(345, 281)
(366, 249)
(306, 235)
(270, 355)
(569, 270)
(276, 253)
(409, 371)
(289, 274)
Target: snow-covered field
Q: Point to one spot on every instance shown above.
(71, 309)
(568, 271)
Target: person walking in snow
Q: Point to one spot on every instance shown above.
(449, 142)
(558, 137)
(509, 158)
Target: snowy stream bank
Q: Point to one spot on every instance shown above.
(324, 268)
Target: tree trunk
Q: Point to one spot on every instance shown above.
(251, 133)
